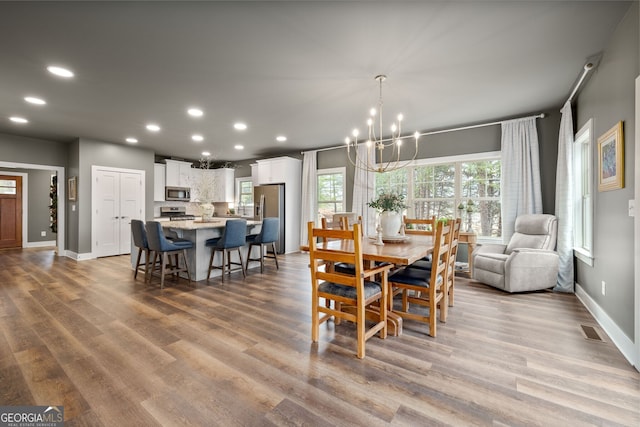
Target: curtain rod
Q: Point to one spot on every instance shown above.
(587, 67)
(435, 132)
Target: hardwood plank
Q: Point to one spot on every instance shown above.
(240, 353)
(48, 382)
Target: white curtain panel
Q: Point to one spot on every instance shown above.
(309, 193)
(363, 193)
(564, 201)
(520, 183)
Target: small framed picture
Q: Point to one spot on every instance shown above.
(611, 159)
(72, 189)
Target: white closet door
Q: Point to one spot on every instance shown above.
(130, 207)
(118, 197)
(107, 213)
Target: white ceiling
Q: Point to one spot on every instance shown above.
(302, 69)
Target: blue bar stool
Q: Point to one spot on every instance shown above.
(268, 236)
(140, 241)
(164, 248)
(233, 238)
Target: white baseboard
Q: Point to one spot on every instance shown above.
(620, 340)
(39, 244)
(78, 257)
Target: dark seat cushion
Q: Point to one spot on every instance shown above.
(422, 264)
(212, 242)
(370, 289)
(344, 268)
(414, 277)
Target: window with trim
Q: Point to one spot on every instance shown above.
(244, 196)
(583, 198)
(440, 186)
(331, 191)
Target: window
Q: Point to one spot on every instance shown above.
(331, 191)
(583, 198)
(244, 196)
(440, 186)
(8, 186)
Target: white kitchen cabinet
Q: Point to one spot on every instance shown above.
(278, 170)
(178, 173)
(255, 178)
(287, 171)
(159, 178)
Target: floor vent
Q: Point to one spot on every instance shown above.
(591, 333)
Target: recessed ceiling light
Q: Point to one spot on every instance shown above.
(195, 112)
(238, 147)
(197, 137)
(281, 138)
(17, 119)
(60, 72)
(153, 127)
(206, 153)
(131, 140)
(34, 100)
(240, 126)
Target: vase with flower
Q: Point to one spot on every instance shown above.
(390, 205)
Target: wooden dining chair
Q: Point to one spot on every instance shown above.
(451, 260)
(419, 225)
(454, 239)
(358, 291)
(425, 288)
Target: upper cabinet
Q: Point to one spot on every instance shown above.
(178, 174)
(277, 170)
(255, 178)
(158, 182)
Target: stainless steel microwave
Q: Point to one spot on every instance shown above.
(180, 194)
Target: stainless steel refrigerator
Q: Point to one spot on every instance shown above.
(268, 201)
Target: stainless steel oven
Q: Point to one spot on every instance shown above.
(179, 194)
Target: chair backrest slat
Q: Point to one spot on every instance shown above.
(420, 225)
(439, 258)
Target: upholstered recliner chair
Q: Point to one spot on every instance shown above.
(528, 263)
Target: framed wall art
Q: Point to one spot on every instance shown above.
(611, 159)
(72, 189)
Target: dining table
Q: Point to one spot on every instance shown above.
(400, 251)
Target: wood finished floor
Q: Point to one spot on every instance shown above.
(118, 352)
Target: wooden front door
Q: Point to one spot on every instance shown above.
(10, 211)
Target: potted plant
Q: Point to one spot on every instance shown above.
(390, 205)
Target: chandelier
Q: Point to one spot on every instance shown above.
(377, 143)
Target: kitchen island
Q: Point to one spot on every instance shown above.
(199, 232)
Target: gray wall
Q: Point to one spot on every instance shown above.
(608, 98)
(38, 219)
(19, 149)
